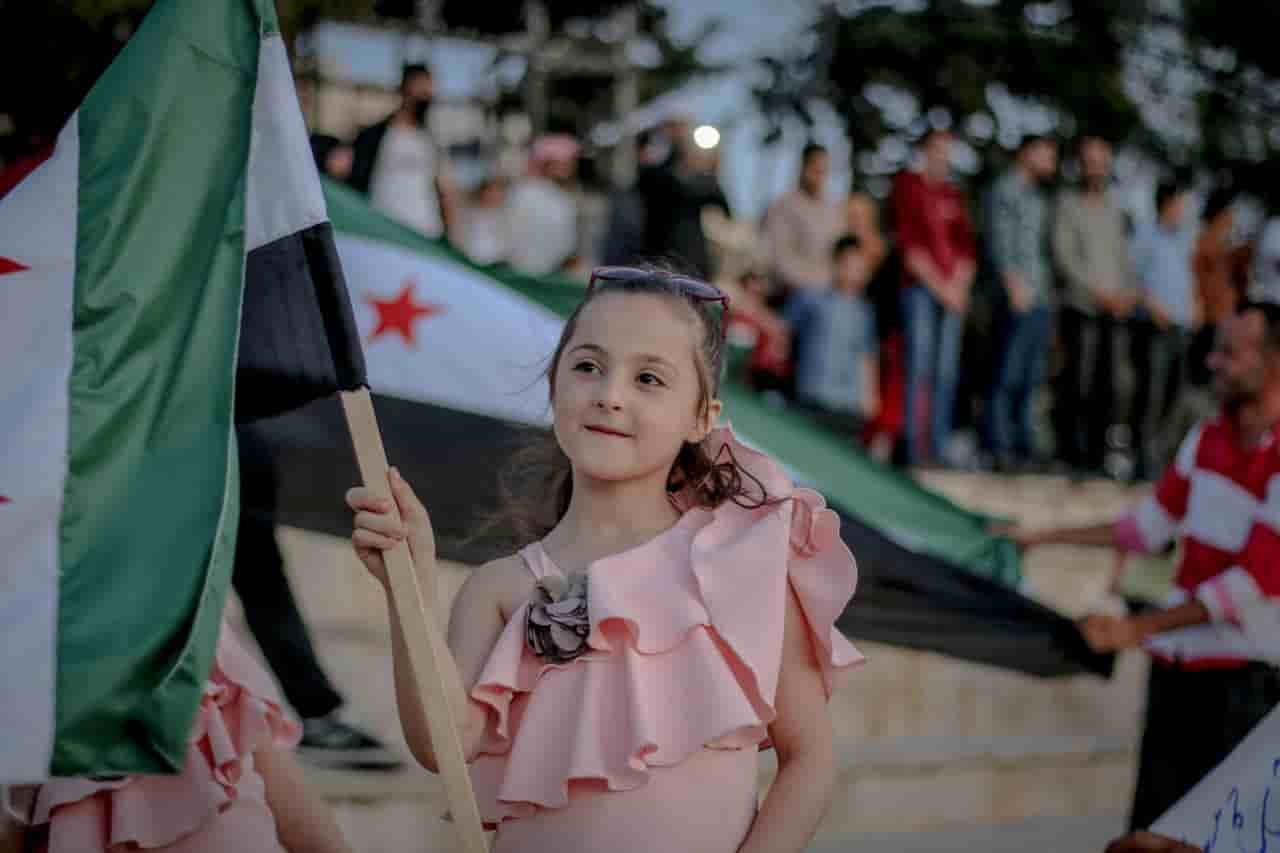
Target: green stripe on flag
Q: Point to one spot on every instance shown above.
(350, 213)
(148, 528)
(920, 520)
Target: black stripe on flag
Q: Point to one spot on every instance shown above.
(297, 467)
(298, 338)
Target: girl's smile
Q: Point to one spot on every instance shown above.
(627, 389)
(604, 430)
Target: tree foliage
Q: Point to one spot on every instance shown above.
(1231, 48)
(293, 14)
(1123, 69)
(956, 58)
(60, 47)
(65, 44)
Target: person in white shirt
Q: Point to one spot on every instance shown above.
(542, 213)
(484, 236)
(802, 227)
(399, 165)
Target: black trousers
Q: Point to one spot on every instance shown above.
(269, 605)
(1088, 394)
(1160, 364)
(1194, 720)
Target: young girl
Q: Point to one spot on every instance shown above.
(674, 614)
(241, 790)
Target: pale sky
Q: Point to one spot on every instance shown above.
(751, 28)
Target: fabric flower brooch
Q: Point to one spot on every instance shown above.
(557, 625)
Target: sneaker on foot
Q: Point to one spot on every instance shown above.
(330, 741)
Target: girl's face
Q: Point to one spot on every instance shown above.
(627, 390)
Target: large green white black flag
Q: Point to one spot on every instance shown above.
(182, 185)
(455, 355)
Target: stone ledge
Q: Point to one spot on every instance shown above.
(896, 757)
(922, 753)
(1087, 833)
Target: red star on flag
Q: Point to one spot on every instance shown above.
(399, 314)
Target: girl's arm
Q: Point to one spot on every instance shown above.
(474, 623)
(802, 735)
(304, 822)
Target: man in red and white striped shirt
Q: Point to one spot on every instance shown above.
(1216, 646)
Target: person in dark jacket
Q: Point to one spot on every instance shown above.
(675, 193)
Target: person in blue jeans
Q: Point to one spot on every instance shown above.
(938, 259)
(1018, 222)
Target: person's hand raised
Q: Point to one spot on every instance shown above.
(380, 525)
(1106, 632)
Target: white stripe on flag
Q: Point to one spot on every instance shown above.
(38, 231)
(284, 195)
(479, 347)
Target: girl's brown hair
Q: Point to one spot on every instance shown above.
(537, 485)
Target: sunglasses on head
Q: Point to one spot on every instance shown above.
(683, 284)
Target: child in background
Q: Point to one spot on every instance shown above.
(837, 363)
(673, 612)
(241, 789)
(768, 367)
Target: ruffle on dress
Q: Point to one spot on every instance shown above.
(685, 650)
(240, 713)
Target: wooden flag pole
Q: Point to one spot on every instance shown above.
(423, 637)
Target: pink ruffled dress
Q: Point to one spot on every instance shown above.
(648, 741)
(216, 804)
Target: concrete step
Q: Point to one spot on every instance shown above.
(384, 812)
(918, 784)
(1077, 834)
(398, 827)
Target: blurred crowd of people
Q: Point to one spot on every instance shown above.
(528, 221)
(967, 308)
(960, 311)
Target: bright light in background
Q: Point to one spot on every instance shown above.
(706, 137)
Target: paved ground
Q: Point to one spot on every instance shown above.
(1040, 835)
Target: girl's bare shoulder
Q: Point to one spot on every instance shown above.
(506, 581)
